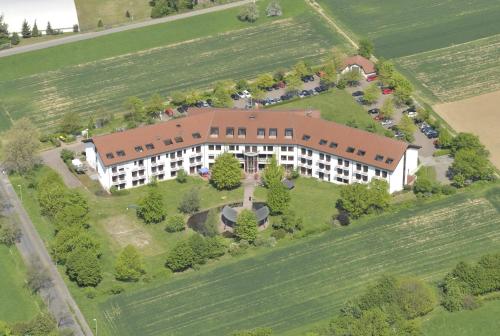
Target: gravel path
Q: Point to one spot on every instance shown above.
(56, 295)
(90, 35)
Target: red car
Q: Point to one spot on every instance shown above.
(387, 91)
(371, 78)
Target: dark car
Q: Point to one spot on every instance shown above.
(209, 102)
(269, 88)
(235, 96)
(374, 111)
(305, 93)
(276, 86)
(358, 93)
(198, 104)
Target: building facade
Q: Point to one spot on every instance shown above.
(299, 140)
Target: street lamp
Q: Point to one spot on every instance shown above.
(20, 191)
(95, 321)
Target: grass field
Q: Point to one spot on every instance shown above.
(404, 27)
(112, 12)
(162, 58)
(335, 105)
(483, 321)
(458, 72)
(16, 302)
(290, 288)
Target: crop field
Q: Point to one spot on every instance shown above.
(102, 86)
(292, 287)
(458, 72)
(405, 27)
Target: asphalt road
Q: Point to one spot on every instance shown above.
(90, 35)
(56, 296)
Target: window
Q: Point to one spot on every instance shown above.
(261, 132)
(172, 155)
(361, 152)
(218, 147)
(229, 131)
(389, 161)
(288, 132)
(283, 148)
(303, 151)
(120, 153)
(290, 148)
(377, 172)
(379, 157)
(211, 157)
(211, 147)
(365, 178)
(306, 137)
(110, 156)
(270, 148)
(323, 142)
(333, 145)
(384, 174)
(365, 169)
(358, 166)
(321, 156)
(339, 161)
(167, 142)
(273, 132)
(231, 147)
(196, 135)
(242, 132)
(328, 158)
(214, 131)
(346, 163)
(150, 146)
(350, 149)
(358, 176)
(283, 157)
(138, 149)
(290, 158)
(178, 139)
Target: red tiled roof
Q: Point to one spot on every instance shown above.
(321, 134)
(367, 65)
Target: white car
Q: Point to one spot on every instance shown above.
(246, 94)
(387, 122)
(412, 114)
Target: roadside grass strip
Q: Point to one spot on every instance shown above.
(305, 283)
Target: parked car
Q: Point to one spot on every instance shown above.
(399, 134)
(387, 122)
(412, 114)
(387, 91)
(307, 78)
(371, 78)
(321, 88)
(269, 88)
(209, 102)
(358, 93)
(287, 96)
(360, 100)
(169, 112)
(235, 96)
(374, 111)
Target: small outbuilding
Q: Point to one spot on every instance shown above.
(361, 64)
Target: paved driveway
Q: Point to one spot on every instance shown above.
(52, 159)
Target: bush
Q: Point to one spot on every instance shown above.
(181, 257)
(90, 293)
(190, 202)
(448, 190)
(67, 155)
(116, 289)
(265, 242)
(181, 176)
(151, 208)
(278, 234)
(343, 218)
(84, 268)
(237, 249)
(128, 266)
(289, 222)
(175, 223)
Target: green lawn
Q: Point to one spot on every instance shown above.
(483, 321)
(112, 12)
(335, 105)
(95, 77)
(16, 302)
(404, 27)
(305, 283)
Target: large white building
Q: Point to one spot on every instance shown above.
(299, 139)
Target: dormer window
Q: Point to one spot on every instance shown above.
(361, 152)
(150, 146)
(214, 131)
(389, 161)
(167, 142)
(261, 132)
(323, 142)
(333, 145)
(242, 132)
(273, 132)
(379, 157)
(178, 139)
(288, 133)
(229, 131)
(350, 149)
(196, 135)
(139, 149)
(110, 156)
(306, 137)
(120, 153)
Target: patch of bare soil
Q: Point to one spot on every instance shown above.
(124, 232)
(479, 115)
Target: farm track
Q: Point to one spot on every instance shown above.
(95, 88)
(307, 282)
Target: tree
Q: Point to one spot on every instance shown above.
(222, 94)
(211, 225)
(274, 9)
(467, 141)
(302, 69)
(84, 268)
(100, 24)
(246, 226)
(136, 107)
(293, 82)
(387, 109)
(445, 138)
(415, 298)
(402, 88)
(365, 48)
(35, 32)
(249, 13)
(15, 39)
(175, 223)
(151, 208)
(359, 199)
(289, 222)
(372, 94)
(338, 58)
(154, 106)
(9, 233)
(128, 265)
(407, 126)
(193, 96)
(380, 198)
(70, 239)
(181, 257)
(385, 70)
(278, 197)
(273, 172)
(264, 80)
(73, 212)
(70, 123)
(330, 73)
(4, 31)
(470, 164)
(352, 77)
(242, 85)
(49, 30)
(21, 146)
(190, 202)
(37, 276)
(26, 30)
(226, 172)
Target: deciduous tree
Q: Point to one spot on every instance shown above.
(190, 202)
(249, 13)
(129, 265)
(4, 31)
(21, 146)
(273, 172)
(274, 8)
(365, 48)
(175, 223)
(151, 208)
(246, 226)
(278, 197)
(387, 109)
(372, 94)
(83, 267)
(226, 172)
